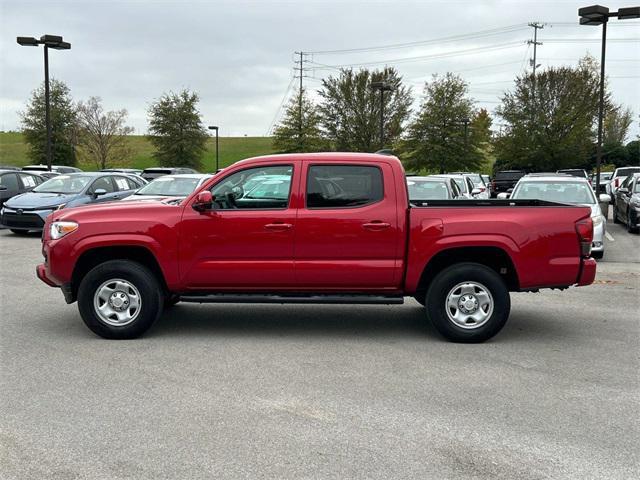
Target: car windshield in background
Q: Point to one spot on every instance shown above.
(170, 186)
(476, 179)
(64, 184)
(427, 190)
(625, 172)
(636, 189)
(562, 192)
(509, 175)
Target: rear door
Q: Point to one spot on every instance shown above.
(9, 186)
(347, 232)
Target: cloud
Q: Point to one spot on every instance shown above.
(239, 55)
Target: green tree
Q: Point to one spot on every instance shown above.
(350, 109)
(176, 130)
(299, 134)
(555, 127)
(102, 135)
(440, 138)
(482, 138)
(63, 125)
(633, 152)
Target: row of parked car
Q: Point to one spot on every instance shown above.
(29, 195)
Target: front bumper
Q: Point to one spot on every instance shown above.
(67, 291)
(23, 219)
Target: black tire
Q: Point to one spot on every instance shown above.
(615, 215)
(446, 281)
(630, 229)
(150, 294)
(597, 255)
(19, 232)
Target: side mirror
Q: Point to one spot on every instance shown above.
(204, 201)
(604, 198)
(504, 196)
(99, 192)
(623, 190)
(510, 190)
(476, 191)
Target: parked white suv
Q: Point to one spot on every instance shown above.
(617, 178)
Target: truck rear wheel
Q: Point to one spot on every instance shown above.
(468, 303)
(120, 299)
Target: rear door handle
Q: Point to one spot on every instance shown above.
(278, 227)
(376, 225)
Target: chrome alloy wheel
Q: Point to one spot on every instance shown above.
(469, 305)
(117, 302)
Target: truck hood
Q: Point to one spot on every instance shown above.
(34, 200)
(112, 211)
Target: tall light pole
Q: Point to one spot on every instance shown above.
(599, 15)
(213, 127)
(49, 41)
(383, 87)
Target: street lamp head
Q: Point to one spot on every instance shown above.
(61, 46)
(591, 21)
(50, 40)
(213, 127)
(594, 11)
(27, 41)
(628, 13)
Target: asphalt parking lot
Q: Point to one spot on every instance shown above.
(238, 391)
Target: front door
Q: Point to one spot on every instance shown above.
(245, 243)
(347, 233)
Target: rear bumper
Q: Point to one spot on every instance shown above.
(587, 272)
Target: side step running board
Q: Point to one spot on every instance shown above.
(289, 298)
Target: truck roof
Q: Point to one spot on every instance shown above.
(314, 157)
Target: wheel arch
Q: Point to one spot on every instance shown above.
(493, 257)
(93, 257)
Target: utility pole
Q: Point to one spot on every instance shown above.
(536, 26)
(300, 68)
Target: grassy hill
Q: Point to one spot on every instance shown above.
(13, 151)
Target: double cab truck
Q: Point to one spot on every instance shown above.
(313, 228)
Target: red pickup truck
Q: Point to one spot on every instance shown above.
(313, 228)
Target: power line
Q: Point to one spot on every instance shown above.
(420, 58)
(471, 35)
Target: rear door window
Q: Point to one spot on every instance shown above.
(343, 186)
(10, 181)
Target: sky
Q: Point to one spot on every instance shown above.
(239, 55)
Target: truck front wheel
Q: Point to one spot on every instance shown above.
(120, 299)
(468, 303)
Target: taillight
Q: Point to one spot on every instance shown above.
(493, 185)
(617, 182)
(584, 229)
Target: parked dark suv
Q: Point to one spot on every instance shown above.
(14, 183)
(151, 173)
(504, 180)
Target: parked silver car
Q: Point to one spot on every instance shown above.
(433, 187)
(566, 189)
(466, 185)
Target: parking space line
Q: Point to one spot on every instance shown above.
(609, 237)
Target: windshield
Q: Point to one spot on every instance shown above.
(477, 180)
(64, 184)
(563, 192)
(636, 189)
(427, 190)
(170, 186)
(509, 175)
(625, 172)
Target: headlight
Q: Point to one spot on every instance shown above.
(61, 229)
(60, 207)
(597, 220)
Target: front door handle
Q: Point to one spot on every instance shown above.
(376, 225)
(278, 227)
